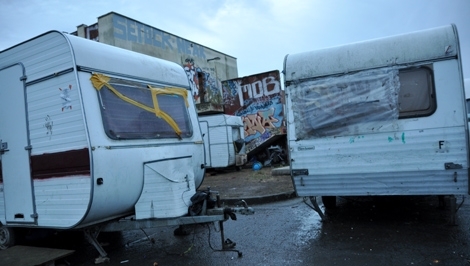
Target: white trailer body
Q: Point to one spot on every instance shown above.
(224, 140)
(467, 96)
(381, 117)
(91, 132)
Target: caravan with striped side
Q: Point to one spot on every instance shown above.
(380, 117)
(90, 133)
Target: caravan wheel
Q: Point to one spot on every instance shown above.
(7, 237)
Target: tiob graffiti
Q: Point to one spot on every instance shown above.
(259, 100)
(205, 87)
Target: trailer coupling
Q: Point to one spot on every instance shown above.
(204, 209)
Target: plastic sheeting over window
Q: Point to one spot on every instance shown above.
(345, 105)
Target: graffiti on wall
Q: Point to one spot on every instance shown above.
(205, 87)
(134, 31)
(258, 99)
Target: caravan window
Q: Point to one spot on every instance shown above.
(416, 94)
(468, 110)
(360, 102)
(130, 113)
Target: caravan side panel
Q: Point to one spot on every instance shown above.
(59, 150)
(222, 131)
(352, 133)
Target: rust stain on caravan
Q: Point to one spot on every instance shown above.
(61, 164)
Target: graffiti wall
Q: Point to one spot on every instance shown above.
(205, 87)
(259, 100)
(137, 32)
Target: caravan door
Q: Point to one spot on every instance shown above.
(14, 151)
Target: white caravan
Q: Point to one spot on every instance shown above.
(91, 133)
(224, 140)
(380, 117)
(467, 96)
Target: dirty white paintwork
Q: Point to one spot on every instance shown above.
(220, 131)
(433, 44)
(403, 156)
(18, 192)
(467, 88)
(168, 187)
(63, 113)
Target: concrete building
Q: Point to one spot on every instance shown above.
(205, 67)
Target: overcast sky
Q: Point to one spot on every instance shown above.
(259, 33)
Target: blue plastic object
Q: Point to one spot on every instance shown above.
(257, 166)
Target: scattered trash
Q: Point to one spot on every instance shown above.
(275, 155)
(257, 166)
(124, 261)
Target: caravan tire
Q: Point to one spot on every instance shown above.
(329, 202)
(7, 237)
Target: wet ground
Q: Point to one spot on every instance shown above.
(360, 231)
(247, 183)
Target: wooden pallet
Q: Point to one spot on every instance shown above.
(31, 256)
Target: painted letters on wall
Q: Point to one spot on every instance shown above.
(205, 86)
(134, 31)
(259, 100)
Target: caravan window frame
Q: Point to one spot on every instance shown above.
(416, 83)
(123, 120)
(467, 102)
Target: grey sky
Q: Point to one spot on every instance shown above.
(258, 33)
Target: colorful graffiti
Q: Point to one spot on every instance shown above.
(259, 100)
(205, 87)
(260, 122)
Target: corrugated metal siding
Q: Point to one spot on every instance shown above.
(432, 44)
(45, 55)
(62, 202)
(54, 108)
(219, 141)
(381, 183)
(382, 163)
(168, 187)
(56, 124)
(220, 138)
(220, 155)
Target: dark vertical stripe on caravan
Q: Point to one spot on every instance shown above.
(60, 164)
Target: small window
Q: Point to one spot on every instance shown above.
(137, 120)
(416, 94)
(468, 110)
